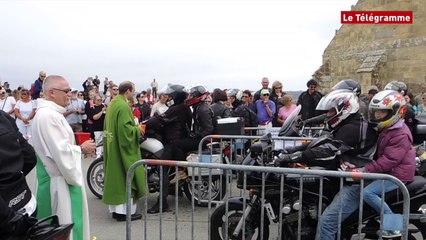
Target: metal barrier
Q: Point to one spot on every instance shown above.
(283, 176)
(241, 150)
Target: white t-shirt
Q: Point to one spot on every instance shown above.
(25, 109)
(8, 104)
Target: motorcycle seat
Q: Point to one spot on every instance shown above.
(418, 183)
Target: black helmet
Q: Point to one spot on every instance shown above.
(398, 86)
(196, 94)
(176, 94)
(348, 84)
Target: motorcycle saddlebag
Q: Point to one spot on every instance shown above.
(230, 126)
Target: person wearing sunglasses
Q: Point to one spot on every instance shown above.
(24, 111)
(7, 103)
(276, 94)
(265, 109)
(38, 84)
(59, 173)
(112, 95)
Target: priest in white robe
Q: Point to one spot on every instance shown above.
(60, 188)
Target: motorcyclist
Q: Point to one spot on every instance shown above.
(172, 125)
(350, 135)
(349, 196)
(354, 86)
(17, 159)
(343, 85)
(351, 140)
(202, 117)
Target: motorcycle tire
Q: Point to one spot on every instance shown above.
(235, 213)
(218, 188)
(95, 177)
(421, 227)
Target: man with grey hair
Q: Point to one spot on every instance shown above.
(60, 189)
(265, 85)
(38, 84)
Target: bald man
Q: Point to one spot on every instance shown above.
(60, 189)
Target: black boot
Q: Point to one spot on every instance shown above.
(122, 217)
(156, 207)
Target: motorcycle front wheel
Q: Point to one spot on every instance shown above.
(419, 232)
(220, 229)
(95, 177)
(201, 190)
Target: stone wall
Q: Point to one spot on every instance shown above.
(375, 54)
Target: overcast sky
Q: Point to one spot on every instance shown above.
(221, 43)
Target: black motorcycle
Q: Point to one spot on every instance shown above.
(295, 204)
(151, 148)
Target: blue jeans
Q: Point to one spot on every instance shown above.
(373, 193)
(372, 196)
(348, 200)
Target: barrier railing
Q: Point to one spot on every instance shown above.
(303, 176)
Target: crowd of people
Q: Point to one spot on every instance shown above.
(49, 113)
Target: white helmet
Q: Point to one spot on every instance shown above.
(234, 92)
(391, 101)
(344, 103)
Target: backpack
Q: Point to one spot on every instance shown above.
(249, 116)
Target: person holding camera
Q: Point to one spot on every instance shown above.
(97, 116)
(74, 112)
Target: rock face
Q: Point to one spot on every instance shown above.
(375, 54)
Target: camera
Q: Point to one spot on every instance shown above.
(96, 81)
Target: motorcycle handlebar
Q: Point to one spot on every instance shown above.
(315, 120)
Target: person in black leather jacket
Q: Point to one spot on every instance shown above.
(220, 110)
(202, 117)
(174, 127)
(351, 138)
(172, 124)
(17, 159)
